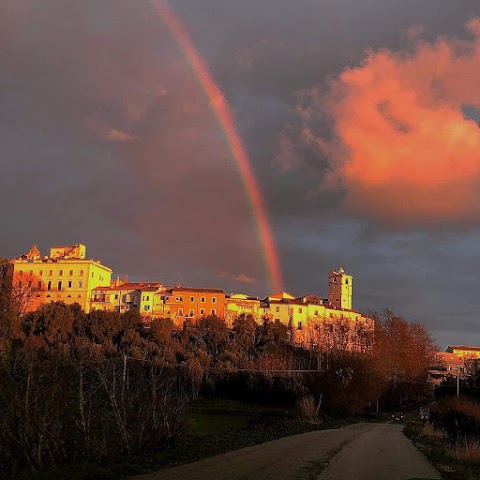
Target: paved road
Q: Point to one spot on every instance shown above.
(355, 452)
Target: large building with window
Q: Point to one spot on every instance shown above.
(65, 275)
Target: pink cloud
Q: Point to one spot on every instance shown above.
(403, 148)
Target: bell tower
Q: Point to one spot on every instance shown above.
(340, 289)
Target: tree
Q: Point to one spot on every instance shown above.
(24, 288)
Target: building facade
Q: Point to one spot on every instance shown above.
(239, 304)
(65, 275)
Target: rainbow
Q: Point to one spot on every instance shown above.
(224, 117)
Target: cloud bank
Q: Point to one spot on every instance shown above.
(403, 135)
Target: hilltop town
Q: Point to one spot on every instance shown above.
(67, 275)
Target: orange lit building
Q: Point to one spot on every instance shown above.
(186, 303)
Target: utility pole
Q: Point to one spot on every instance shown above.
(458, 381)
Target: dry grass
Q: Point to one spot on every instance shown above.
(308, 409)
(428, 430)
(465, 450)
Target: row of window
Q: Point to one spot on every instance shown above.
(191, 312)
(192, 299)
(60, 286)
(49, 273)
(59, 296)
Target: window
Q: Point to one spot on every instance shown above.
(147, 307)
(69, 296)
(81, 273)
(50, 273)
(20, 272)
(214, 299)
(60, 285)
(79, 296)
(299, 326)
(181, 299)
(40, 273)
(92, 274)
(316, 312)
(70, 273)
(180, 311)
(116, 296)
(31, 272)
(277, 309)
(48, 296)
(60, 273)
(192, 299)
(39, 285)
(213, 311)
(148, 298)
(49, 286)
(299, 310)
(190, 313)
(80, 284)
(202, 311)
(346, 281)
(69, 284)
(202, 299)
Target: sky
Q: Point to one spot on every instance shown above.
(360, 119)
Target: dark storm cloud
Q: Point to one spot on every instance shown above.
(107, 139)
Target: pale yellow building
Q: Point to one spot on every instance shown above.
(314, 322)
(66, 275)
(122, 297)
(239, 304)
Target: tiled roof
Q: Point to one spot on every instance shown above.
(189, 289)
(463, 347)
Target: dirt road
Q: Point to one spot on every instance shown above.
(360, 452)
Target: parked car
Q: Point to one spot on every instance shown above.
(397, 418)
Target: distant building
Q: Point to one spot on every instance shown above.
(123, 296)
(464, 352)
(455, 360)
(340, 289)
(240, 304)
(187, 303)
(314, 322)
(66, 275)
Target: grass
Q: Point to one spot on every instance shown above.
(456, 460)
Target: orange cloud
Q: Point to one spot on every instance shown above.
(108, 133)
(240, 277)
(404, 149)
